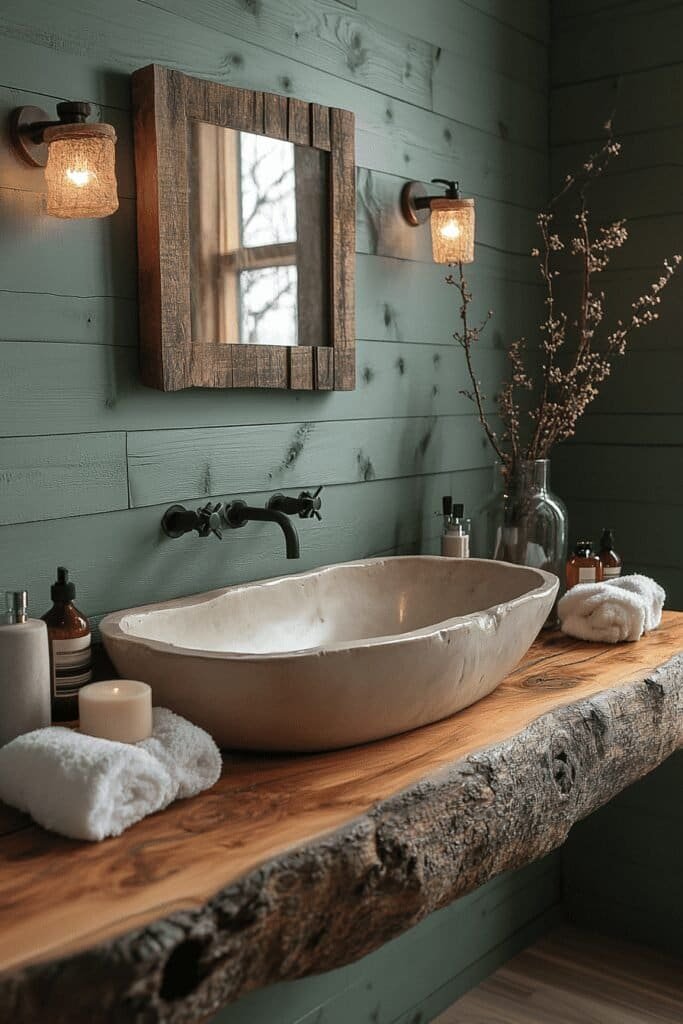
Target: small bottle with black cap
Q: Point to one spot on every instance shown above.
(609, 559)
(455, 540)
(70, 642)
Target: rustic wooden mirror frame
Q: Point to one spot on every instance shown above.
(165, 103)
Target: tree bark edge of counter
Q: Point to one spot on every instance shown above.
(326, 904)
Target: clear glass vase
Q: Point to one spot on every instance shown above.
(525, 523)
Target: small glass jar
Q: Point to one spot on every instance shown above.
(583, 565)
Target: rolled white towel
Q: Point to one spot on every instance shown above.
(652, 594)
(83, 787)
(189, 754)
(600, 612)
(89, 788)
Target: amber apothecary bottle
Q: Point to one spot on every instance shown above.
(609, 559)
(70, 649)
(583, 565)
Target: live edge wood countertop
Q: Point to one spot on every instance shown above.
(293, 865)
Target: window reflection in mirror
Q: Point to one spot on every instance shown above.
(258, 239)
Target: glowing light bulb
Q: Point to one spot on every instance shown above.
(78, 178)
(451, 229)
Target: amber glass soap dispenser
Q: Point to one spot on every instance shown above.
(583, 565)
(609, 559)
(70, 649)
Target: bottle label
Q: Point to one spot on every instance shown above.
(71, 665)
(587, 574)
(610, 571)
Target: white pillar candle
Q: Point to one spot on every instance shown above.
(118, 709)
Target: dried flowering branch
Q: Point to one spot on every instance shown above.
(572, 368)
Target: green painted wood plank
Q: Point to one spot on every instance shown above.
(399, 300)
(96, 259)
(97, 320)
(122, 559)
(381, 982)
(463, 31)
(639, 39)
(650, 475)
(566, 12)
(636, 386)
(660, 148)
(61, 475)
(179, 465)
(504, 106)
(643, 101)
(636, 838)
(359, 49)
(95, 56)
(530, 16)
(621, 289)
(381, 228)
(643, 429)
(321, 35)
(97, 387)
(87, 258)
(621, 883)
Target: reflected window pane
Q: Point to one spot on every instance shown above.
(268, 305)
(267, 190)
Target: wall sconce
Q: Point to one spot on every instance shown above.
(78, 158)
(451, 219)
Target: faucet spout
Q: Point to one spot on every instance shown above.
(238, 513)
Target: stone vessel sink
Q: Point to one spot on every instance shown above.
(338, 655)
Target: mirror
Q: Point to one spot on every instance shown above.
(259, 213)
(246, 229)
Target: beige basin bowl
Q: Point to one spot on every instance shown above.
(334, 656)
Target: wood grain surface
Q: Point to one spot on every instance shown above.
(299, 864)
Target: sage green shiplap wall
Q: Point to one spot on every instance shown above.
(626, 468)
(89, 458)
(621, 867)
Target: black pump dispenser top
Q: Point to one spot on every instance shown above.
(584, 548)
(62, 590)
(447, 504)
(607, 540)
(458, 510)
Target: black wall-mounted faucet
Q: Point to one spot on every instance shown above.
(238, 514)
(178, 520)
(305, 506)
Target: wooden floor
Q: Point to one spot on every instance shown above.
(574, 977)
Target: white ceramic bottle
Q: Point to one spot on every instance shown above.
(24, 670)
(455, 540)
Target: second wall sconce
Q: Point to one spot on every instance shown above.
(451, 219)
(78, 158)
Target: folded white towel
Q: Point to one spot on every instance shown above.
(89, 788)
(613, 611)
(189, 754)
(652, 594)
(83, 787)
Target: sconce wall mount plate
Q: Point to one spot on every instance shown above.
(414, 212)
(29, 124)
(78, 157)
